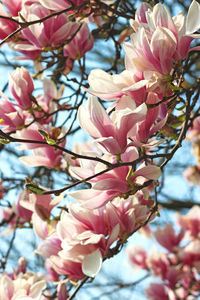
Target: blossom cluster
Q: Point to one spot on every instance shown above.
(71, 39)
(80, 240)
(26, 285)
(178, 266)
(22, 284)
(116, 166)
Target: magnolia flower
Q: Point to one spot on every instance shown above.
(16, 214)
(80, 44)
(178, 268)
(121, 181)
(44, 154)
(168, 238)
(7, 26)
(46, 35)
(192, 175)
(82, 237)
(190, 221)
(111, 132)
(115, 86)
(42, 205)
(21, 87)
(194, 132)
(74, 251)
(28, 286)
(158, 263)
(12, 118)
(137, 257)
(155, 54)
(156, 291)
(14, 6)
(181, 27)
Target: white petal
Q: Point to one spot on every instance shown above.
(92, 263)
(36, 289)
(193, 18)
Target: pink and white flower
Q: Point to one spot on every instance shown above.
(111, 132)
(21, 87)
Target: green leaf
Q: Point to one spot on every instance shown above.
(34, 188)
(176, 125)
(182, 118)
(173, 87)
(5, 142)
(43, 133)
(50, 141)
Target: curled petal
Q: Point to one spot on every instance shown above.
(92, 263)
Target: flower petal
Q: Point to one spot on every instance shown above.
(193, 18)
(92, 263)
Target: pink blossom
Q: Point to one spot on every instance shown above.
(191, 221)
(192, 175)
(115, 86)
(22, 211)
(68, 248)
(158, 264)
(150, 125)
(50, 246)
(168, 238)
(30, 51)
(182, 27)
(111, 132)
(16, 214)
(137, 257)
(160, 40)
(80, 44)
(83, 237)
(7, 213)
(190, 255)
(6, 26)
(62, 291)
(52, 275)
(42, 205)
(67, 266)
(14, 6)
(46, 35)
(23, 286)
(21, 268)
(32, 133)
(174, 276)
(43, 228)
(130, 212)
(157, 291)
(179, 268)
(194, 132)
(44, 154)
(121, 181)
(21, 87)
(155, 54)
(46, 101)
(13, 118)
